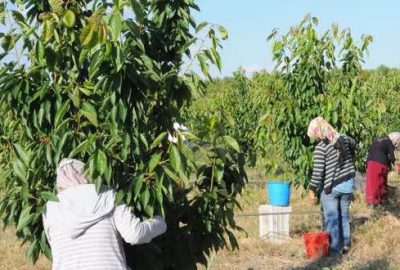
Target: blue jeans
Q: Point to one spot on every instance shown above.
(337, 218)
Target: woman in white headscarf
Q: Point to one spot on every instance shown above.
(379, 161)
(85, 229)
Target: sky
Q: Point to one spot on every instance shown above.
(249, 22)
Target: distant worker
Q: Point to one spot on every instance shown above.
(85, 229)
(333, 177)
(379, 161)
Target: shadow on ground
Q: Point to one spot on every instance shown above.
(392, 204)
(319, 263)
(380, 264)
(330, 263)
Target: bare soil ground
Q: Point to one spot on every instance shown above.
(376, 238)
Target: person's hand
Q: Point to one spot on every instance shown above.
(312, 198)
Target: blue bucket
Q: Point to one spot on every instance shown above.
(278, 193)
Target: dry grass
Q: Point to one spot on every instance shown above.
(12, 254)
(376, 243)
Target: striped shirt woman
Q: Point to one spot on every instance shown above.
(331, 165)
(333, 178)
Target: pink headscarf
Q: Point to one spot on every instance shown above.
(320, 129)
(395, 138)
(70, 172)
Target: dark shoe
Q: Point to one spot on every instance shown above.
(345, 250)
(334, 254)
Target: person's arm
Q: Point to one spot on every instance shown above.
(318, 173)
(133, 230)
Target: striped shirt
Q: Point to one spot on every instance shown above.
(330, 169)
(85, 229)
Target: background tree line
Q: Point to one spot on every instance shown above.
(315, 75)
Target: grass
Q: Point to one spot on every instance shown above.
(376, 240)
(376, 243)
(12, 254)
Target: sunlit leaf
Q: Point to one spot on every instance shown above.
(69, 18)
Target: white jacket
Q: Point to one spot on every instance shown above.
(85, 228)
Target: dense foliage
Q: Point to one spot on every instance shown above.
(231, 106)
(103, 81)
(316, 75)
(321, 78)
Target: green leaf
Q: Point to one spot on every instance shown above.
(45, 246)
(61, 113)
(203, 63)
(102, 32)
(138, 10)
(83, 55)
(82, 147)
(272, 34)
(149, 209)
(145, 197)
(49, 196)
(122, 111)
(219, 171)
(20, 170)
(175, 158)
(119, 197)
(75, 97)
(49, 157)
(217, 58)
(69, 18)
(101, 161)
(173, 176)
(158, 140)
(32, 251)
(223, 32)
(138, 185)
(7, 42)
(154, 160)
(25, 218)
(47, 31)
(56, 5)
(18, 16)
(98, 182)
(201, 26)
(116, 24)
(60, 146)
(22, 154)
(232, 143)
(87, 34)
(89, 111)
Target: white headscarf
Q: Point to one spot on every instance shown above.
(395, 138)
(320, 129)
(70, 172)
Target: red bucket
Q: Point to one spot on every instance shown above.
(317, 244)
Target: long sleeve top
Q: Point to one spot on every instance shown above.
(382, 151)
(86, 229)
(331, 169)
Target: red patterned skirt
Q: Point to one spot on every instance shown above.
(376, 182)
